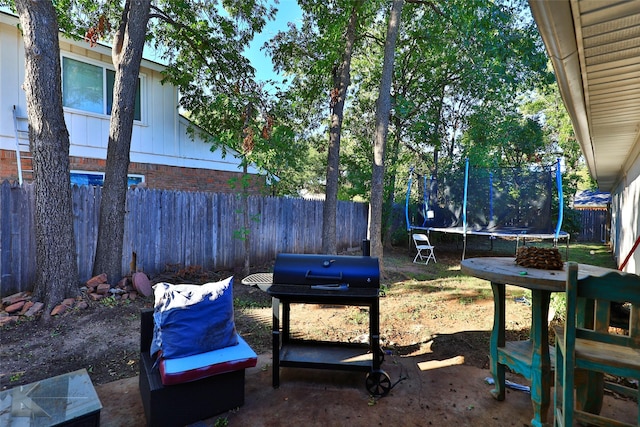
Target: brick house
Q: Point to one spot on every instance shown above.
(162, 154)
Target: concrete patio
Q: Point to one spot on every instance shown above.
(432, 393)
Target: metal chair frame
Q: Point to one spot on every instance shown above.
(422, 243)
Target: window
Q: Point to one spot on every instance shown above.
(87, 178)
(134, 180)
(97, 178)
(89, 87)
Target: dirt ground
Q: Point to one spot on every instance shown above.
(426, 310)
(418, 306)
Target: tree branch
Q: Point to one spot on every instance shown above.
(378, 40)
(118, 38)
(165, 17)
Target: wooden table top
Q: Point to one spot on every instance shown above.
(505, 270)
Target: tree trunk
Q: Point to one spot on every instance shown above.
(127, 54)
(56, 265)
(435, 139)
(342, 79)
(383, 109)
(247, 145)
(390, 194)
(246, 221)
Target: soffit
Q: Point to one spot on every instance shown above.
(595, 49)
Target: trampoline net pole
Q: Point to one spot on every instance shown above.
(464, 207)
(406, 205)
(560, 201)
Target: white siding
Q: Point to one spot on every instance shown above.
(625, 207)
(11, 78)
(159, 138)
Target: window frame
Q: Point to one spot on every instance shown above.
(142, 78)
(97, 174)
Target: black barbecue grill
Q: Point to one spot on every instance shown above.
(343, 275)
(335, 280)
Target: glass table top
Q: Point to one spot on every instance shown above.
(49, 402)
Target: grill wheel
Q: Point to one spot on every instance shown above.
(378, 383)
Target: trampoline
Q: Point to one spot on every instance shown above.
(500, 203)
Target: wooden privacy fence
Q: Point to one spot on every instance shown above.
(168, 228)
(594, 225)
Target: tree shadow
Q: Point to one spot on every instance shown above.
(471, 346)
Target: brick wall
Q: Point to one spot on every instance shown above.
(155, 176)
(9, 166)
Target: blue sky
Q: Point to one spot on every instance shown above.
(288, 11)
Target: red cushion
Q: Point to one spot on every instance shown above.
(203, 365)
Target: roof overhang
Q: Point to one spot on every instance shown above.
(9, 18)
(594, 47)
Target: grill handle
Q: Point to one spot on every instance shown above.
(312, 276)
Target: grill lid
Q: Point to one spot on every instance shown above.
(334, 271)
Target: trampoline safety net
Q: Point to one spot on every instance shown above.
(514, 200)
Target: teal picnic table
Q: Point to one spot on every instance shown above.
(532, 358)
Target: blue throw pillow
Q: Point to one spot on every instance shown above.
(193, 319)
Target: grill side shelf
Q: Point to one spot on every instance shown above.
(323, 355)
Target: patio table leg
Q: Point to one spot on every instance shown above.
(498, 339)
(540, 358)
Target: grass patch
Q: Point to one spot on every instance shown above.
(359, 316)
(444, 280)
(477, 295)
(592, 253)
(109, 301)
